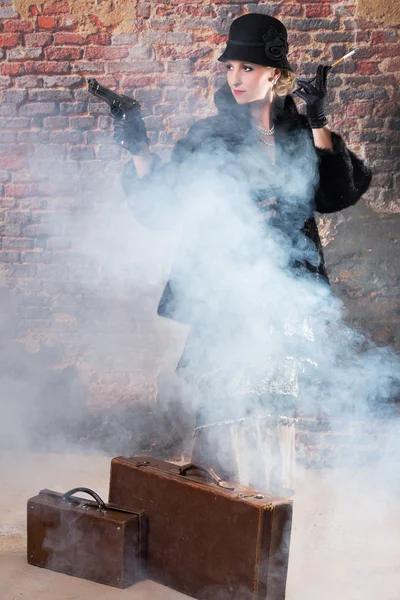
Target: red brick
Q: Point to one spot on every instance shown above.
(386, 51)
(98, 108)
(51, 95)
(38, 39)
(34, 10)
(18, 25)
(66, 137)
(18, 190)
(143, 66)
(368, 68)
(47, 67)
(83, 122)
(73, 39)
(96, 21)
(70, 81)
(335, 36)
(10, 40)
(99, 137)
(360, 109)
(179, 66)
(100, 52)
(312, 24)
(12, 162)
(68, 53)
(56, 8)
(83, 67)
(55, 123)
(99, 39)
(12, 69)
(72, 108)
(81, 153)
(318, 10)
(384, 80)
(38, 108)
(138, 81)
(16, 150)
(46, 22)
(28, 82)
(291, 10)
(24, 53)
(384, 36)
(32, 136)
(356, 81)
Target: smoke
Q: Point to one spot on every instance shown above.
(354, 26)
(261, 325)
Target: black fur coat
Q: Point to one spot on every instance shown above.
(338, 181)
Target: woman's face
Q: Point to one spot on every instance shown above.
(250, 82)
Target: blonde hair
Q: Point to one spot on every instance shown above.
(285, 83)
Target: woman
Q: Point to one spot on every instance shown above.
(245, 422)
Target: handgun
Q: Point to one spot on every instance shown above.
(119, 104)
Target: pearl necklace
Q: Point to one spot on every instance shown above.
(262, 133)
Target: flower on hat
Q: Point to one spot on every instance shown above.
(276, 46)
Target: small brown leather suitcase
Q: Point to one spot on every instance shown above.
(208, 538)
(86, 539)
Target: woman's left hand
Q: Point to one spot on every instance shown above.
(314, 94)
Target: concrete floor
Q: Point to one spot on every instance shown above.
(345, 542)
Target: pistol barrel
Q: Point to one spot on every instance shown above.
(115, 101)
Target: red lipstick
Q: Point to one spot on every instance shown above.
(238, 92)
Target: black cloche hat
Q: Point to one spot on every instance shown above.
(259, 39)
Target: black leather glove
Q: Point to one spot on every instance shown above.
(314, 94)
(130, 130)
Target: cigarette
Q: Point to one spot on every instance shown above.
(340, 60)
(332, 66)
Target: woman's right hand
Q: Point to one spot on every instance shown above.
(130, 132)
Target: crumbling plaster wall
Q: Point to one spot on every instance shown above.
(386, 12)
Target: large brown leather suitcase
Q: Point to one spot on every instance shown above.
(86, 539)
(207, 538)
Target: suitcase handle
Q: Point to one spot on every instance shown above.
(67, 496)
(207, 471)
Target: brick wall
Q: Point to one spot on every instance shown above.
(57, 151)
